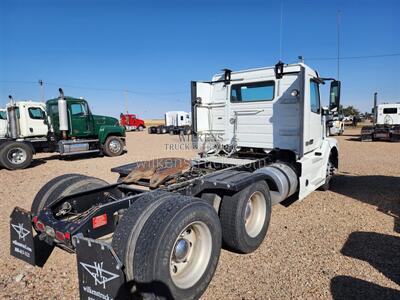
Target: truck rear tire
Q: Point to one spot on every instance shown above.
(62, 186)
(15, 155)
(245, 218)
(113, 146)
(172, 249)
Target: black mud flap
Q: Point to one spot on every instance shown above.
(23, 244)
(21, 236)
(99, 270)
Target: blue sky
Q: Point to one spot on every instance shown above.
(97, 49)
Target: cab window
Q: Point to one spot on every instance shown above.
(390, 110)
(36, 113)
(252, 92)
(78, 109)
(314, 97)
(3, 115)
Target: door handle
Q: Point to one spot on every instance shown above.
(310, 142)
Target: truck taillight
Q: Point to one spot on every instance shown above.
(39, 225)
(99, 221)
(60, 236)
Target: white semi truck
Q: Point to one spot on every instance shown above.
(176, 122)
(262, 141)
(63, 125)
(386, 123)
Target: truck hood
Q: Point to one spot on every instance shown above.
(103, 120)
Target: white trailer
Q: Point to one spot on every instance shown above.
(386, 123)
(261, 137)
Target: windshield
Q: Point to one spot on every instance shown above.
(3, 115)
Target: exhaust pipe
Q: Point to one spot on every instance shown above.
(13, 125)
(63, 114)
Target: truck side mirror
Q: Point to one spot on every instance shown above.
(334, 100)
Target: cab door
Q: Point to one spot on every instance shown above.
(312, 117)
(37, 123)
(81, 123)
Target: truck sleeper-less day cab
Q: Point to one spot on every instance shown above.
(64, 125)
(131, 123)
(386, 123)
(261, 140)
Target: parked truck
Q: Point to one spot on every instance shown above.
(261, 140)
(131, 123)
(3, 123)
(64, 125)
(176, 122)
(386, 124)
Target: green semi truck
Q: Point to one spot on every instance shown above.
(64, 125)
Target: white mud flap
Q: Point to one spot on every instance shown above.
(23, 244)
(99, 271)
(21, 236)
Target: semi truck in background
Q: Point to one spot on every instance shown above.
(157, 232)
(3, 123)
(176, 122)
(64, 125)
(131, 123)
(386, 123)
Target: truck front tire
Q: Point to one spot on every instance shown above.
(113, 146)
(172, 249)
(15, 155)
(245, 218)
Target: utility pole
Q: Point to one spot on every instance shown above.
(338, 42)
(41, 90)
(126, 100)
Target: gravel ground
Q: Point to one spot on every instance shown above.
(337, 244)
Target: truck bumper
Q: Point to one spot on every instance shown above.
(100, 271)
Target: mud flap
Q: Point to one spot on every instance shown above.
(21, 236)
(99, 270)
(23, 244)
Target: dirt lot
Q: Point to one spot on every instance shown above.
(331, 245)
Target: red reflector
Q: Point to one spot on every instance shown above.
(60, 236)
(40, 226)
(35, 219)
(67, 235)
(99, 221)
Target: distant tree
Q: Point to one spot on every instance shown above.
(350, 111)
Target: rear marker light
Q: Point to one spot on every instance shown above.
(67, 235)
(40, 226)
(60, 236)
(99, 221)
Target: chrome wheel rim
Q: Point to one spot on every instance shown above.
(17, 156)
(254, 216)
(114, 146)
(190, 255)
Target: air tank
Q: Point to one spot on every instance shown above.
(63, 113)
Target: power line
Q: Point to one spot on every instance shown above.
(96, 88)
(354, 57)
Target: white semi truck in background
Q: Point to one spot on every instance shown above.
(262, 140)
(176, 122)
(386, 123)
(63, 125)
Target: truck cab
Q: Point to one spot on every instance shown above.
(265, 109)
(131, 122)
